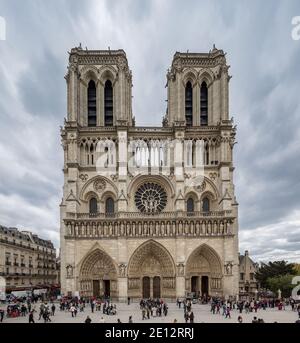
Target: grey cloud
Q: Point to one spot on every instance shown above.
(264, 98)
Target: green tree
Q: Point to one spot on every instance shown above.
(272, 270)
(282, 282)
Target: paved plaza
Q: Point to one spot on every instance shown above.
(202, 315)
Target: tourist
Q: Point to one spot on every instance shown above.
(240, 319)
(119, 321)
(53, 309)
(1, 315)
(130, 319)
(144, 313)
(88, 320)
(128, 301)
(102, 320)
(228, 312)
(31, 317)
(191, 317)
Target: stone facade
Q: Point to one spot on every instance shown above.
(248, 285)
(158, 228)
(26, 261)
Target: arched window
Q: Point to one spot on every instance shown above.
(108, 104)
(205, 205)
(93, 206)
(189, 104)
(109, 206)
(92, 104)
(203, 104)
(190, 205)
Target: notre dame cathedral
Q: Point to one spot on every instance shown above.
(148, 211)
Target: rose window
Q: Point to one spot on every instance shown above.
(150, 198)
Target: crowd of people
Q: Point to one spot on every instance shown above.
(150, 308)
(153, 308)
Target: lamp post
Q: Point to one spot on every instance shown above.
(256, 292)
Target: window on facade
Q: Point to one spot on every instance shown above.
(203, 104)
(205, 205)
(108, 103)
(189, 104)
(92, 104)
(109, 206)
(242, 276)
(251, 276)
(190, 205)
(93, 206)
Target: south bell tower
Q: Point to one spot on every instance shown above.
(140, 235)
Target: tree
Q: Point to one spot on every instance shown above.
(272, 270)
(283, 282)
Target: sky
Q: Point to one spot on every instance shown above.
(264, 100)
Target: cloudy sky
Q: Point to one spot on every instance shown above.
(264, 100)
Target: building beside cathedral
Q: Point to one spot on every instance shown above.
(148, 211)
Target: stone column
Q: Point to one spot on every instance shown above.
(151, 287)
(123, 289)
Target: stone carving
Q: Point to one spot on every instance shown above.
(134, 283)
(201, 187)
(99, 185)
(180, 269)
(228, 268)
(150, 198)
(69, 271)
(122, 270)
(213, 176)
(83, 177)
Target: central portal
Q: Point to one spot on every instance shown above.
(151, 272)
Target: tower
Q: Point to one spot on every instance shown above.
(148, 211)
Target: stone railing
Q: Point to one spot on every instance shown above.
(150, 216)
(130, 225)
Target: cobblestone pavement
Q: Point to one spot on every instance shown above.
(202, 315)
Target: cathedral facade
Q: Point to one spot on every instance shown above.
(148, 211)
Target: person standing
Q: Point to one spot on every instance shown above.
(191, 316)
(31, 318)
(1, 315)
(130, 319)
(53, 309)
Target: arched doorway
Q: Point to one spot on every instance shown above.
(204, 272)
(98, 275)
(151, 272)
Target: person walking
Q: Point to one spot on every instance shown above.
(191, 316)
(228, 312)
(130, 319)
(240, 319)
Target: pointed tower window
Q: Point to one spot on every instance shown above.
(109, 206)
(190, 205)
(189, 104)
(93, 206)
(206, 205)
(92, 104)
(108, 104)
(203, 104)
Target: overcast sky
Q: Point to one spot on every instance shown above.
(264, 100)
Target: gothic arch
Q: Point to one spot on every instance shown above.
(205, 75)
(153, 262)
(189, 75)
(89, 73)
(161, 179)
(107, 73)
(149, 249)
(84, 192)
(204, 257)
(98, 274)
